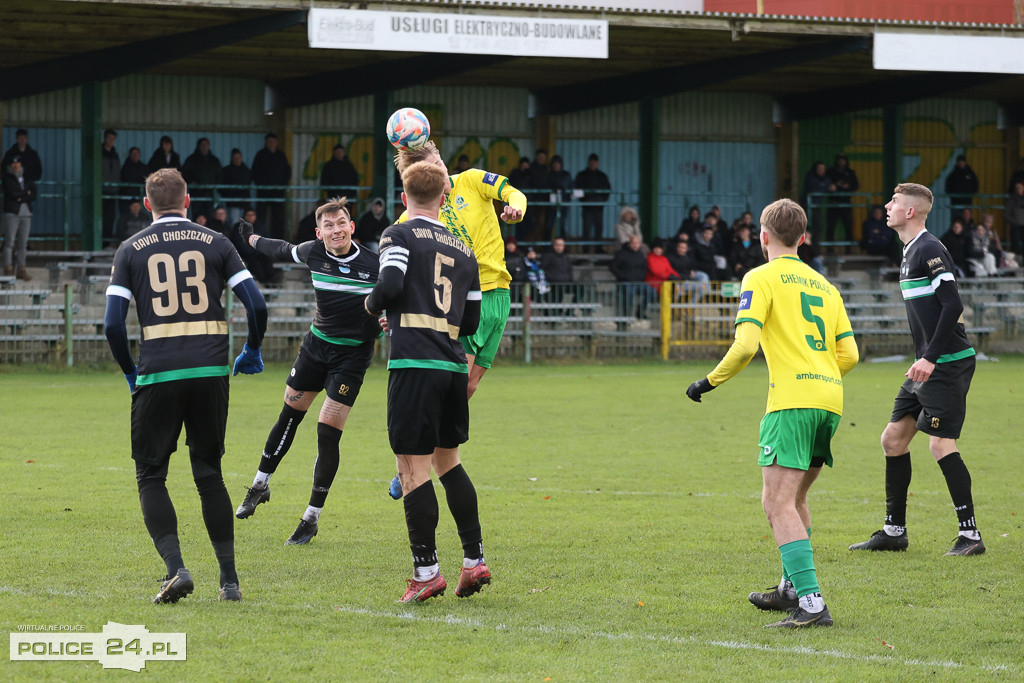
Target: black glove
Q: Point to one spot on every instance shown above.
(701, 386)
(244, 229)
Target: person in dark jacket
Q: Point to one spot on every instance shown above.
(237, 199)
(816, 182)
(202, 167)
(810, 254)
(877, 238)
(110, 174)
(595, 186)
(844, 182)
(691, 224)
(540, 179)
(133, 220)
(629, 265)
(371, 224)
(746, 252)
(682, 262)
(520, 178)
(133, 172)
(516, 266)
(270, 166)
(557, 267)
(704, 252)
(31, 165)
(19, 193)
(958, 244)
(164, 156)
(560, 182)
(961, 186)
(339, 171)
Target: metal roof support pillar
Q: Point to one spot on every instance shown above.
(892, 148)
(650, 134)
(92, 180)
(383, 168)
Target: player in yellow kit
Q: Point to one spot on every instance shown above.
(799, 320)
(468, 213)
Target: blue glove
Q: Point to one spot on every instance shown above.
(248, 362)
(130, 378)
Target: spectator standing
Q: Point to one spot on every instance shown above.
(595, 186)
(237, 198)
(961, 186)
(202, 167)
(164, 156)
(339, 172)
(132, 221)
(31, 166)
(844, 183)
(816, 182)
(133, 172)
(540, 181)
(1016, 177)
(19, 193)
(560, 182)
(110, 175)
(1013, 214)
(372, 224)
(270, 167)
(629, 265)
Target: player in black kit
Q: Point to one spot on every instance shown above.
(933, 399)
(333, 357)
(176, 272)
(430, 289)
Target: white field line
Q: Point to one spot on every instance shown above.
(452, 620)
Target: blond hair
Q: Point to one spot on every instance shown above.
(166, 190)
(424, 182)
(922, 197)
(405, 158)
(332, 206)
(786, 220)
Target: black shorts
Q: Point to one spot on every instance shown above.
(338, 369)
(940, 404)
(159, 411)
(427, 409)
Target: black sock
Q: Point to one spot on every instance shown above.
(328, 456)
(958, 481)
(158, 513)
(280, 438)
(461, 495)
(220, 523)
(421, 521)
(897, 483)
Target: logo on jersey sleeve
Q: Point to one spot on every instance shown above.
(490, 178)
(745, 300)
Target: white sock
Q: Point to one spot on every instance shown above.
(312, 514)
(425, 573)
(469, 564)
(786, 588)
(262, 480)
(973, 535)
(894, 530)
(813, 603)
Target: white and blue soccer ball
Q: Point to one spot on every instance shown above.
(408, 128)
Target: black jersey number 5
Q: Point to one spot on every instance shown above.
(443, 291)
(164, 281)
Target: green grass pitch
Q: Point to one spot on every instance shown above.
(622, 524)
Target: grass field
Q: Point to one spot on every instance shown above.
(622, 523)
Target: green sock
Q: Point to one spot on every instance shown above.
(798, 562)
(785, 574)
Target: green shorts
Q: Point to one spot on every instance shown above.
(799, 438)
(495, 305)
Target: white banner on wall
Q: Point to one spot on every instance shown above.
(478, 34)
(904, 51)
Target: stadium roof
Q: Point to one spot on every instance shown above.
(812, 66)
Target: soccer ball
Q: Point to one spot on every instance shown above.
(408, 128)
